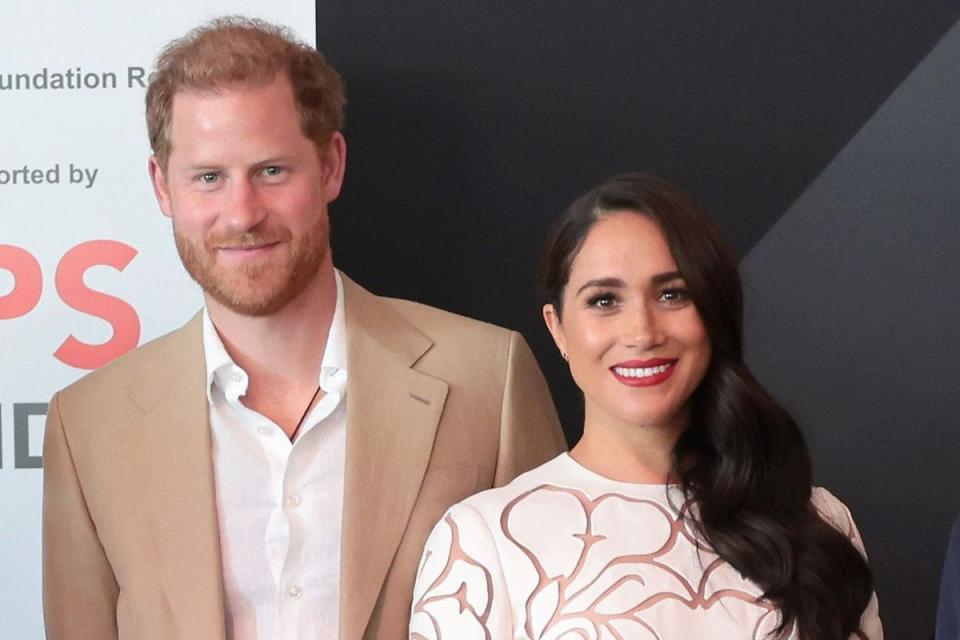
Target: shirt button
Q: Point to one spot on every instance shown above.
(293, 501)
(295, 592)
(264, 431)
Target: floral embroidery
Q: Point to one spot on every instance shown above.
(589, 560)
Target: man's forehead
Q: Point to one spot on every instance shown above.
(216, 89)
(255, 114)
(207, 103)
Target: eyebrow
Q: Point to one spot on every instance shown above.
(601, 282)
(660, 278)
(287, 159)
(201, 166)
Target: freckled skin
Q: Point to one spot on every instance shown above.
(248, 192)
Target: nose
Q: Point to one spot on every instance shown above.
(245, 208)
(643, 328)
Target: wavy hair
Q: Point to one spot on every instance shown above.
(235, 49)
(742, 458)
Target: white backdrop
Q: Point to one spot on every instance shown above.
(87, 264)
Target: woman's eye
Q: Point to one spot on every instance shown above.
(602, 301)
(674, 296)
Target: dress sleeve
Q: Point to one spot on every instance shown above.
(836, 513)
(460, 592)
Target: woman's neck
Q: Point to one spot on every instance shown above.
(627, 452)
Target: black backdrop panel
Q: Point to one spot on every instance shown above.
(855, 324)
(470, 125)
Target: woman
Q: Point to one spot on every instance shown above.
(686, 509)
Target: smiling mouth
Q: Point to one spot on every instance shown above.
(240, 248)
(635, 375)
(644, 372)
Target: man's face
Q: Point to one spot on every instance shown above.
(248, 194)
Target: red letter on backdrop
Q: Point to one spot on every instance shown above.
(121, 316)
(27, 282)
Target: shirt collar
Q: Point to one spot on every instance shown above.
(226, 380)
(333, 368)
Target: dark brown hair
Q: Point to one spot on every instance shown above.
(234, 50)
(742, 458)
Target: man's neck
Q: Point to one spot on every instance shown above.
(281, 352)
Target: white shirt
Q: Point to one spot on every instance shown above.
(279, 504)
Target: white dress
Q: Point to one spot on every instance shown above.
(562, 553)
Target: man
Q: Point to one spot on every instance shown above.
(948, 609)
(272, 469)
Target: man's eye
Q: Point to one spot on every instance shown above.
(272, 171)
(208, 178)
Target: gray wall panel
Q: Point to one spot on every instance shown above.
(853, 319)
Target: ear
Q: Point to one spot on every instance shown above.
(552, 319)
(159, 182)
(333, 159)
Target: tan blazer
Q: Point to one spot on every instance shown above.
(438, 407)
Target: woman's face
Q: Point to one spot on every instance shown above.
(635, 342)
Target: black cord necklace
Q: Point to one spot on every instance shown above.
(304, 414)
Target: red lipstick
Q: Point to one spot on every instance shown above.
(643, 373)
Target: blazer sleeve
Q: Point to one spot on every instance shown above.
(79, 588)
(530, 432)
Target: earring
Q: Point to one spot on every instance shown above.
(563, 354)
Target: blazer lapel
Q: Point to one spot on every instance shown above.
(392, 416)
(176, 468)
